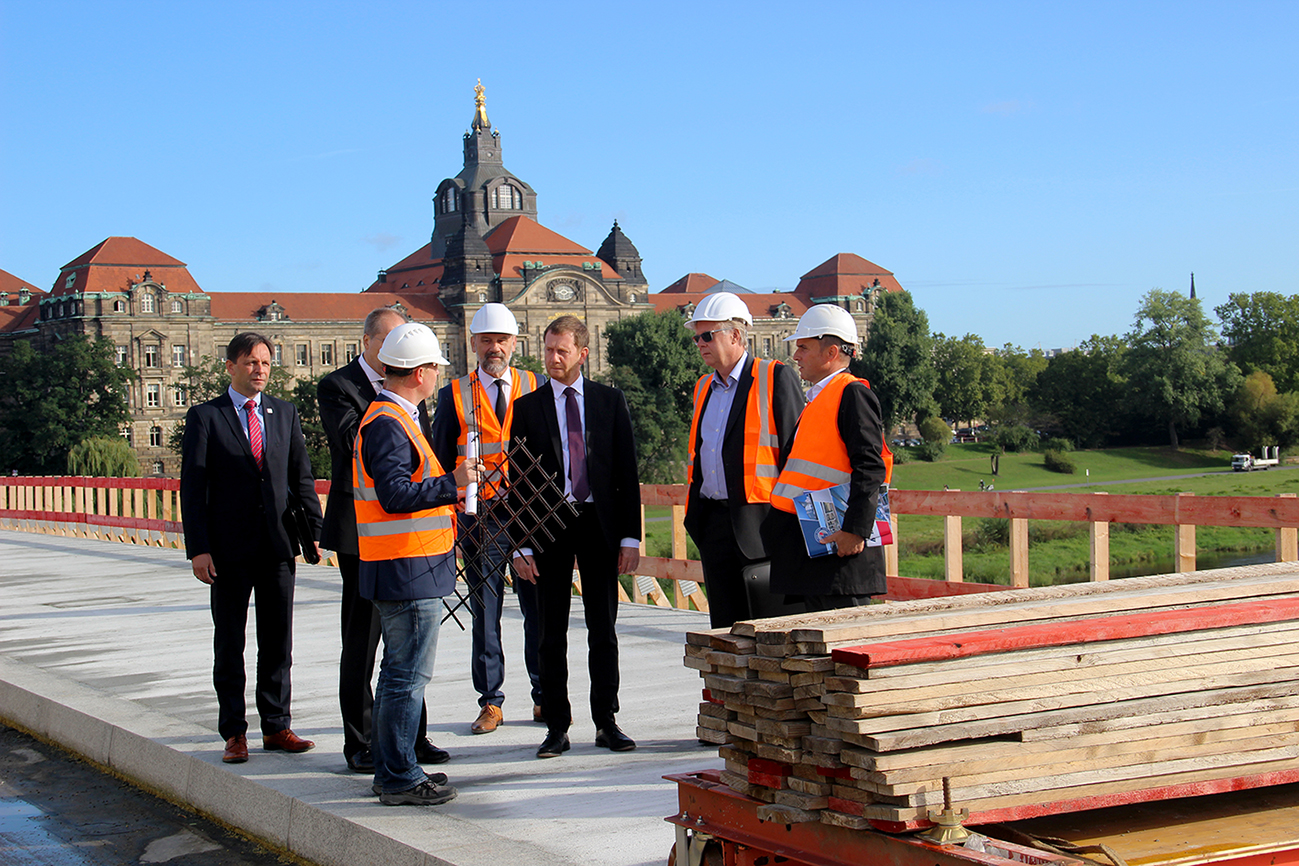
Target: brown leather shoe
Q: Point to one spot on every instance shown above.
(536, 714)
(286, 741)
(488, 720)
(236, 750)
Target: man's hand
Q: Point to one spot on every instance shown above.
(628, 559)
(846, 543)
(204, 570)
(525, 567)
(467, 472)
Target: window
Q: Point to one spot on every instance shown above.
(766, 347)
(158, 468)
(177, 395)
(146, 302)
(59, 314)
(70, 281)
(121, 355)
(177, 306)
(155, 437)
(303, 355)
(277, 357)
(119, 306)
(177, 355)
(450, 200)
(126, 434)
(150, 356)
(327, 355)
(153, 396)
(506, 197)
(350, 351)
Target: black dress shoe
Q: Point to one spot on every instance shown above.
(555, 745)
(613, 739)
(427, 753)
(361, 762)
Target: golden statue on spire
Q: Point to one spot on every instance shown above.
(480, 107)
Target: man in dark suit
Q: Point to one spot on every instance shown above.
(580, 431)
(243, 459)
(344, 396)
(738, 435)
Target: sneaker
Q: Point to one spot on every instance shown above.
(433, 778)
(423, 794)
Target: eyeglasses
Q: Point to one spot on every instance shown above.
(707, 336)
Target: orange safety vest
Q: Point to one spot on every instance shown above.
(468, 392)
(818, 459)
(761, 443)
(383, 536)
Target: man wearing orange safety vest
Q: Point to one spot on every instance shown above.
(745, 413)
(481, 406)
(839, 439)
(405, 525)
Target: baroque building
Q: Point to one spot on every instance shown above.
(487, 245)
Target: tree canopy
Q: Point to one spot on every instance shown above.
(968, 385)
(1262, 333)
(898, 360)
(1083, 390)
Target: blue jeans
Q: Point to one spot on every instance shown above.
(410, 639)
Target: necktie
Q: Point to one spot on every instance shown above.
(576, 447)
(500, 400)
(254, 431)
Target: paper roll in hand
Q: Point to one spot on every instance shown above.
(471, 489)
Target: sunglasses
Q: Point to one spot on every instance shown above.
(707, 336)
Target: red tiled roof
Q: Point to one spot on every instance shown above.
(114, 264)
(324, 306)
(692, 283)
(11, 284)
(524, 235)
(16, 318)
(759, 305)
(845, 274)
(124, 251)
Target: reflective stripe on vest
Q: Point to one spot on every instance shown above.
(761, 441)
(468, 391)
(818, 459)
(384, 536)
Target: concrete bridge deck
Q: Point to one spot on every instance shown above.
(106, 649)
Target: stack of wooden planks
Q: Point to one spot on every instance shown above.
(1029, 702)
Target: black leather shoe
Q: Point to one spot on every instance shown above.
(361, 762)
(613, 739)
(555, 745)
(427, 753)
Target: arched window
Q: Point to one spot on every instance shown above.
(119, 306)
(177, 306)
(146, 302)
(506, 197)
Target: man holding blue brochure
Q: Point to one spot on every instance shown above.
(839, 440)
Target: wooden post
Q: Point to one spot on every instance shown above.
(137, 511)
(167, 495)
(891, 550)
(1287, 539)
(1184, 544)
(636, 595)
(1019, 551)
(679, 552)
(953, 552)
(1099, 537)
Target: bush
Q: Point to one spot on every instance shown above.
(1058, 461)
(1015, 437)
(931, 449)
(991, 533)
(935, 433)
(1058, 444)
(901, 455)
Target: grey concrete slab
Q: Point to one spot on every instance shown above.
(109, 645)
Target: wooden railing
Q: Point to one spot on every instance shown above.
(147, 511)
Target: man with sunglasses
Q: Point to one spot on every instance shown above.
(745, 413)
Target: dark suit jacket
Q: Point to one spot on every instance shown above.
(222, 490)
(344, 395)
(746, 517)
(610, 456)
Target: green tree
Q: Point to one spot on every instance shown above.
(898, 360)
(1264, 417)
(1017, 371)
(103, 457)
(304, 398)
(1262, 333)
(654, 361)
(968, 377)
(1175, 370)
(935, 432)
(529, 363)
(1084, 391)
(55, 399)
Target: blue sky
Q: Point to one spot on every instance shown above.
(1027, 170)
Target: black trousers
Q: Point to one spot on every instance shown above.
(360, 638)
(583, 541)
(723, 564)
(271, 582)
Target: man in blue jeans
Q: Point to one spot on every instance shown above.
(406, 532)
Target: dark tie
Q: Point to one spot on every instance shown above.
(500, 400)
(576, 447)
(254, 431)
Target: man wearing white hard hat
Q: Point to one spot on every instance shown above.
(745, 413)
(839, 439)
(479, 407)
(405, 523)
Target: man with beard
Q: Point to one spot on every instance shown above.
(481, 405)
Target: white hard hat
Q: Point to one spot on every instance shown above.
(722, 307)
(494, 319)
(826, 320)
(411, 345)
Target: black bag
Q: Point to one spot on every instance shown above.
(301, 538)
(757, 583)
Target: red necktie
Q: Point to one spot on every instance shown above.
(254, 431)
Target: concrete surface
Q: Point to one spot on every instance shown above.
(106, 649)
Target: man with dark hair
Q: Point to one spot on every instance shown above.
(580, 432)
(344, 396)
(243, 461)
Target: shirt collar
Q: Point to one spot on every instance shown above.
(239, 399)
(487, 379)
(370, 371)
(411, 409)
(820, 386)
(578, 386)
(733, 377)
